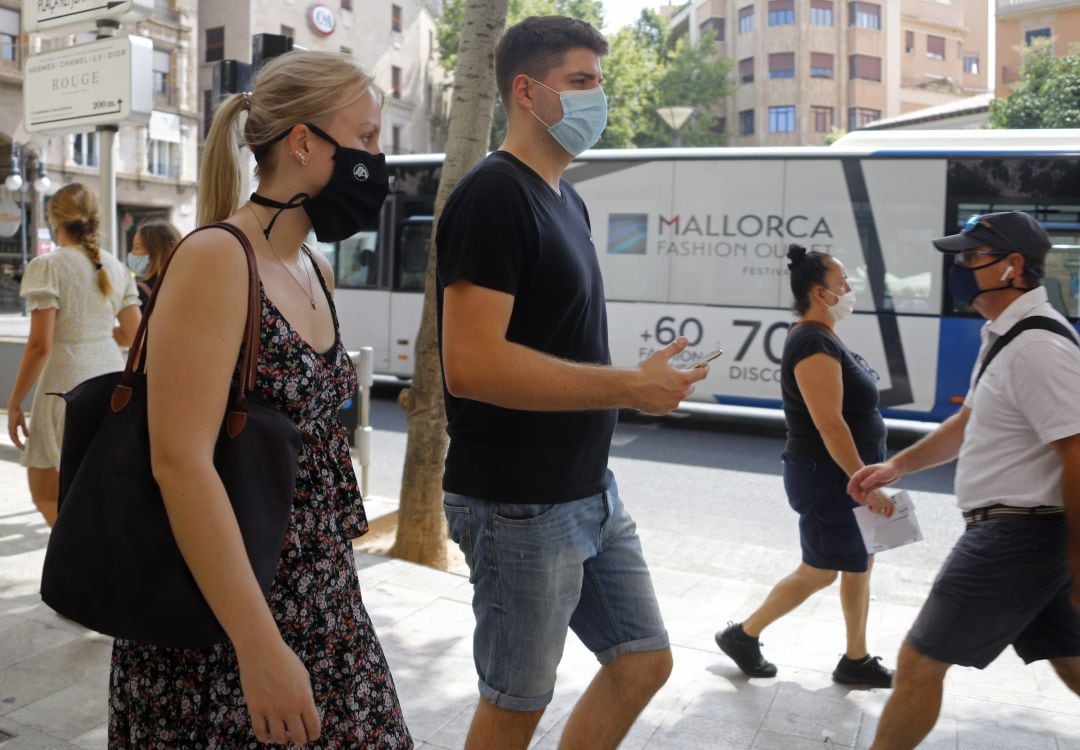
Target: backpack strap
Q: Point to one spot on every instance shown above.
(1035, 322)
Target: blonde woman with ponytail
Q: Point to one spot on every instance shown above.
(302, 664)
(76, 295)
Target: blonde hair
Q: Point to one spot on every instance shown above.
(299, 86)
(75, 209)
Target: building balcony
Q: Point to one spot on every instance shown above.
(1015, 8)
(934, 13)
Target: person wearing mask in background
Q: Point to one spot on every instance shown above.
(531, 406)
(830, 400)
(76, 295)
(1013, 577)
(302, 663)
(150, 247)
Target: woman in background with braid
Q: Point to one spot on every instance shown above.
(75, 295)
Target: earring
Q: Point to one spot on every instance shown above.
(302, 158)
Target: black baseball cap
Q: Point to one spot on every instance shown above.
(1008, 231)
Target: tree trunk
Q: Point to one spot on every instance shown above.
(421, 529)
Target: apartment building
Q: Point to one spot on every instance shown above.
(395, 39)
(804, 67)
(156, 164)
(1021, 21)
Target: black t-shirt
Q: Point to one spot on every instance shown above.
(145, 287)
(860, 407)
(505, 229)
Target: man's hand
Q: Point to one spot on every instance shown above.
(880, 503)
(664, 387)
(870, 478)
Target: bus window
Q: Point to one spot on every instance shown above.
(414, 237)
(358, 261)
(328, 250)
(1062, 279)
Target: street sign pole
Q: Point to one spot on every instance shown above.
(107, 29)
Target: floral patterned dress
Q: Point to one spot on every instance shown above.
(191, 698)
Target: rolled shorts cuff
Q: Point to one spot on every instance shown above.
(512, 702)
(640, 646)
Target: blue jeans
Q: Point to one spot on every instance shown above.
(538, 570)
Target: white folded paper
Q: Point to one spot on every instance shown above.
(880, 533)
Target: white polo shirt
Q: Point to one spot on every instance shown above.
(1028, 397)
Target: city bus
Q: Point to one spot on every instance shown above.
(693, 242)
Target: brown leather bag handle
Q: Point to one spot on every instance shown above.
(249, 346)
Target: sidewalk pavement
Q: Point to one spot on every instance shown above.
(54, 675)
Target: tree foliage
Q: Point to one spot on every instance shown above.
(1048, 94)
(643, 70)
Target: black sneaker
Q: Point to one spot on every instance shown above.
(745, 651)
(866, 671)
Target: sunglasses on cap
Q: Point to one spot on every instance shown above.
(977, 221)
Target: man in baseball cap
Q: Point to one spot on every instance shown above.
(1013, 578)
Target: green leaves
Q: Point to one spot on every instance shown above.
(1048, 94)
(643, 70)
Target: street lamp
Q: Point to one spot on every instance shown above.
(16, 184)
(675, 117)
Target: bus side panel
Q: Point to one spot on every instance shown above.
(625, 201)
(753, 342)
(406, 309)
(362, 313)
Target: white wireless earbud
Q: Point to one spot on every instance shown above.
(1007, 273)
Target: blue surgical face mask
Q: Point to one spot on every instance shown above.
(583, 121)
(138, 264)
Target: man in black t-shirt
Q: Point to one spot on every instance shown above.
(531, 402)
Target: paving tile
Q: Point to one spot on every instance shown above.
(29, 638)
(813, 714)
(96, 739)
(692, 732)
(52, 671)
(770, 740)
(26, 738)
(70, 712)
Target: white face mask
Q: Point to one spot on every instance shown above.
(845, 305)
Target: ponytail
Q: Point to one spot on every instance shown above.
(219, 181)
(75, 208)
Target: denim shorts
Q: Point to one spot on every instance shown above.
(828, 533)
(540, 569)
(1005, 582)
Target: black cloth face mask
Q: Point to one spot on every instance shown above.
(351, 199)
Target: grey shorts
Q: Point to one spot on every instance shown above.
(1005, 582)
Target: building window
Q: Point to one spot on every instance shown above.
(782, 65)
(746, 19)
(781, 12)
(395, 81)
(971, 64)
(909, 42)
(208, 109)
(162, 77)
(782, 119)
(821, 12)
(715, 25)
(346, 5)
(215, 44)
(865, 15)
(395, 139)
(859, 116)
(84, 149)
(746, 122)
(935, 47)
(719, 125)
(160, 158)
(1035, 34)
(9, 35)
(746, 70)
(865, 68)
(823, 119)
(821, 65)
(288, 31)
(395, 18)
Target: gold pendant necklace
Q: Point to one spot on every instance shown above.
(307, 273)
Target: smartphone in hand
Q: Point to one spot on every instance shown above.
(708, 358)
